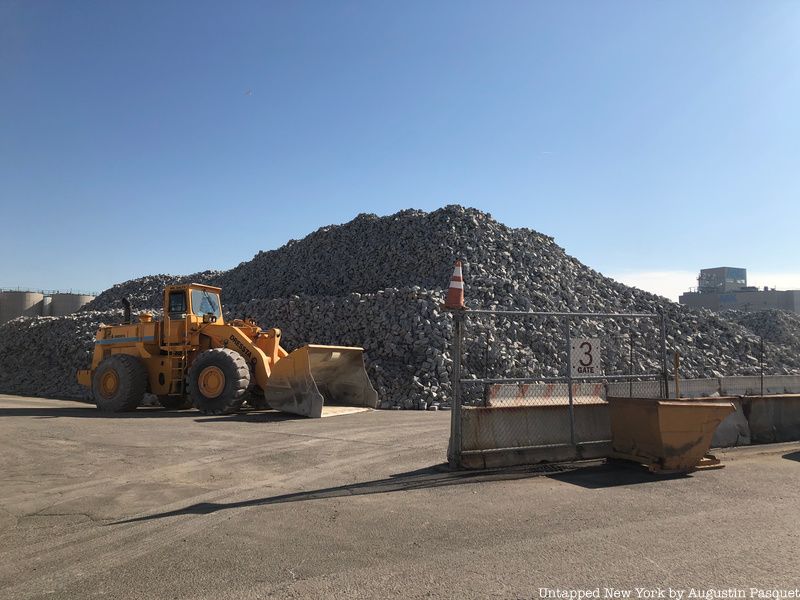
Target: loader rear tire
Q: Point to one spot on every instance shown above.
(119, 383)
(217, 382)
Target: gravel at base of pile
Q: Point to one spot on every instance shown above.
(378, 282)
(407, 340)
(405, 336)
(40, 356)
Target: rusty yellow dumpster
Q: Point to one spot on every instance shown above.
(667, 436)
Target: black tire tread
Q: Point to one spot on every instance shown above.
(237, 380)
(132, 383)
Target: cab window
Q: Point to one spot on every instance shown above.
(205, 302)
(177, 305)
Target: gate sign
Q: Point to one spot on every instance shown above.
(585, 357)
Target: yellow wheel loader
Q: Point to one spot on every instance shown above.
(192, 357)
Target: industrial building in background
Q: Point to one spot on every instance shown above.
(726, 287)
(21, 303)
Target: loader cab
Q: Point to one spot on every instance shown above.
(177, 304)
(186, 306)
(204, 303)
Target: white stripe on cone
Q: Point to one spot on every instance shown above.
(455, 293)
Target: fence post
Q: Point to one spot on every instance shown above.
(630, 362)
(568, 364)
(454, 450)
(761, 360)
(664, 368)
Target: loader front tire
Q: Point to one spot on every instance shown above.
(218, 379)
(119, 383)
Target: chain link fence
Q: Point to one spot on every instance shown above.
(526, 380)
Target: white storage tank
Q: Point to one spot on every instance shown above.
(66, 304)
(15, 304)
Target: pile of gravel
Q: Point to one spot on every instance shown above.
(378, 282)
(40, 356)
(404, 333)
(776, 326)
(504, 267)
(145, 292)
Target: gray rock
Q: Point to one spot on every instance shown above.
(378, 282)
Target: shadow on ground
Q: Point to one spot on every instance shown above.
(155, 412)
(612, 474)
(792, 456)
(250, 416)
(593, 475)
(91, 412)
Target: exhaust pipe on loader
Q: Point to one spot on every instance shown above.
(126, 311)
(302, 382)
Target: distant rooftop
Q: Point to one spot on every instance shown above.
(722, 279)
(47, 292)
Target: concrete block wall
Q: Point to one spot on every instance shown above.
(639, 389)
(703, 388)
(782, 384)
(696, 388)
(544, 393)
(734, 429)
(526, 431)
(517, 435)
(773, 418)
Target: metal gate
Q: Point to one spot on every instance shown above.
(532, 386)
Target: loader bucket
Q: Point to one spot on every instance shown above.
(666, 435)
(311, 376)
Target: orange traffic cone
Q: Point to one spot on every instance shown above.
(455, 294)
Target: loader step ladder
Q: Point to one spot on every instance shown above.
(177, 366)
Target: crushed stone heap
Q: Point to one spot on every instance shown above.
(145, 292)
(40, 356)
(378, 282)
(776, 326)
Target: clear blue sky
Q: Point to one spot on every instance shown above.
(644, 136)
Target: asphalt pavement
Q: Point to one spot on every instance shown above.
(158, 504)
